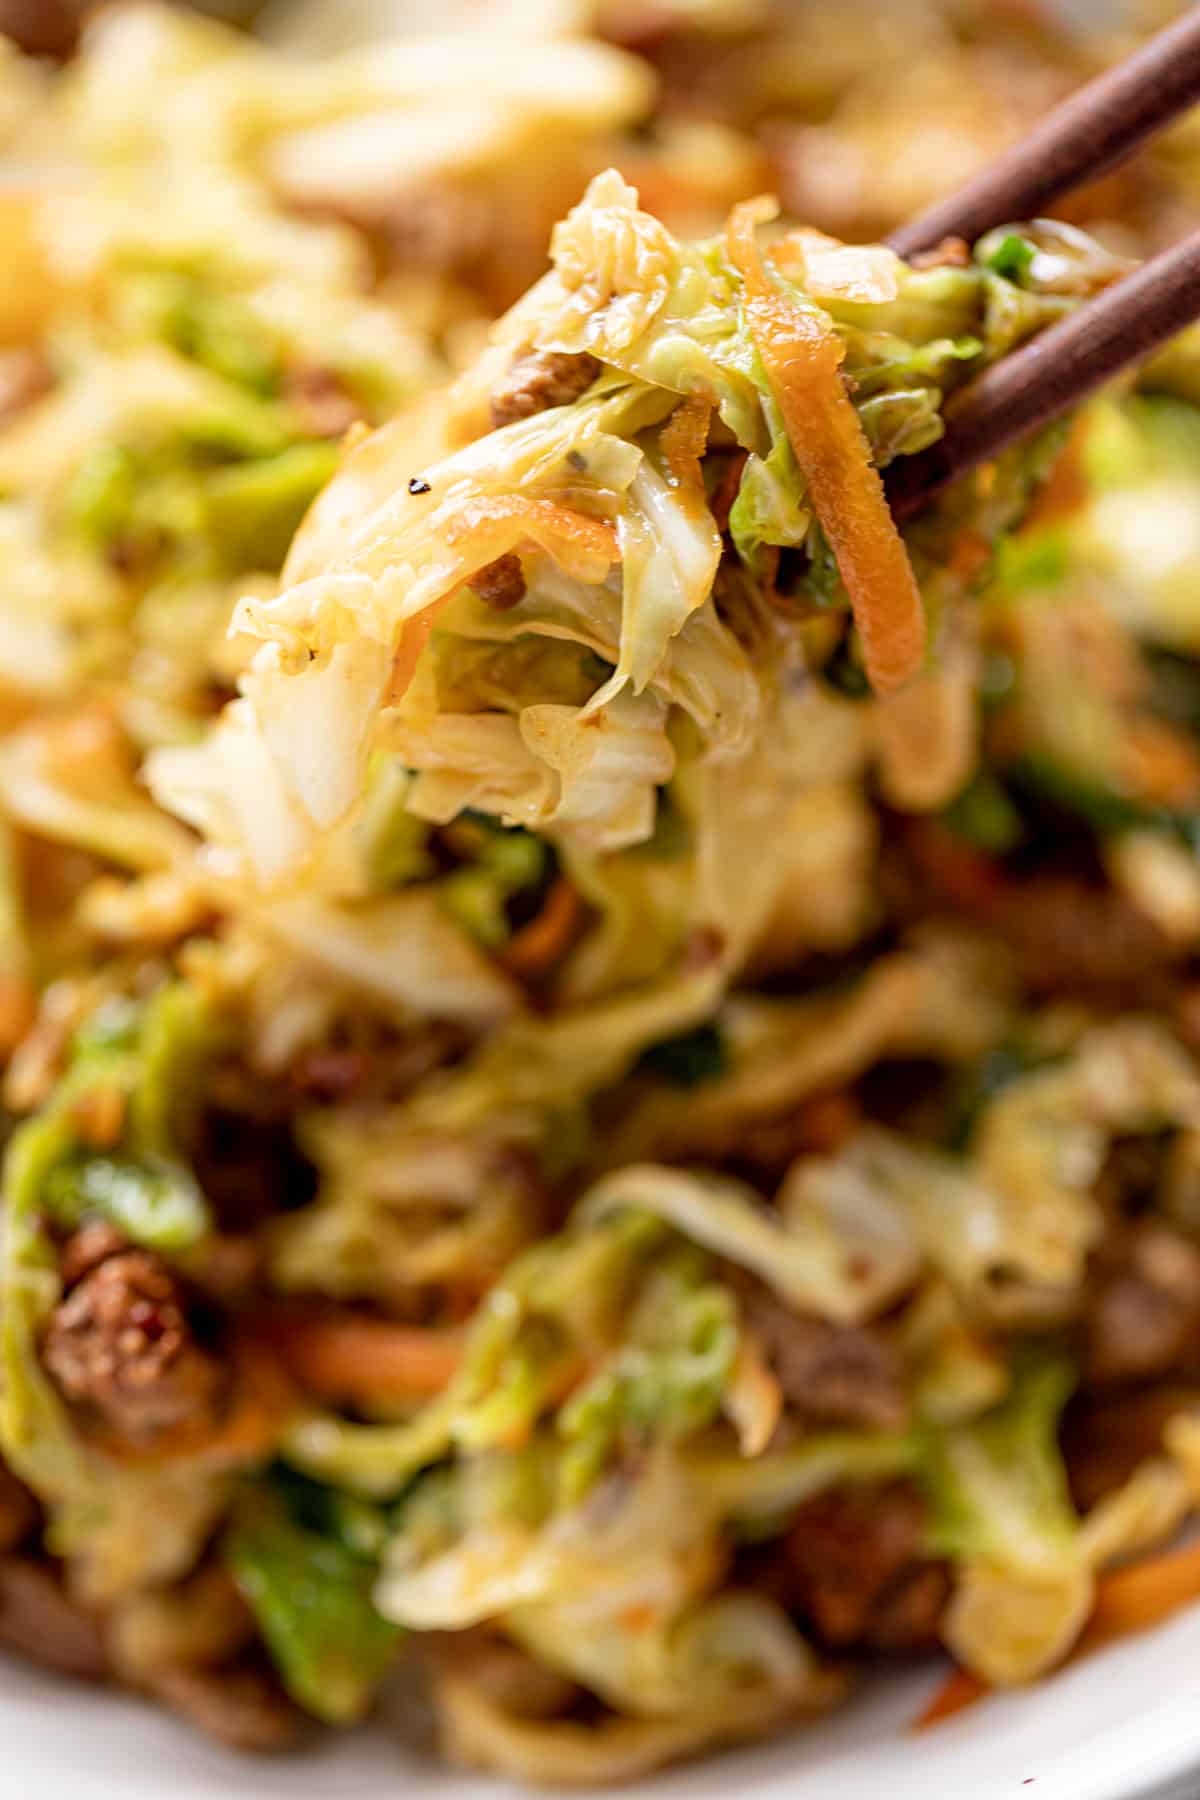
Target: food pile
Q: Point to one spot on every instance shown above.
(602, 1052)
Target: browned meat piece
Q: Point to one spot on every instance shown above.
(441, 228)
(248, 1165)
(322, 404)
(42, 27)
(817, 1126)
(87, 1248)
(1070, 936)
(501, 584)
(227, 1267)
(858, 1570)
(703, 946)
(951, 253)
(121, 1345)
(201, 1622)
(1130, 1176)
(538, 379)
(847, 1374)
(909, 1615)
(328, 1073)
(38, 1619)
(1143, 1312)
(1185, 1013)
(513, 1680)
(241, 1705)
(1106, 1435)
(18, 1510)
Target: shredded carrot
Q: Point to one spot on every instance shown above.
(1144, 1594)
(264, 1399)
(726, 490)
(970, 554)
(1159, 762)
(538, 945)
(28, 300)
(642, 1617)
(754, 1398)
(802, 357)
(582, 546)
(346, 1356)
(99, 1117)
(825, 1121)
(1127, 1601)
(571, 537)
(1066, 487)
(685, 439)
(18, 1010)
(959, 1690)
(414, 635)
(558, 1382)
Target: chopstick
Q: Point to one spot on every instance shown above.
(1080, 139)
(1053, 372)
(1087, 135)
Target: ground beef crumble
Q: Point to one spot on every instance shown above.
(854, 1567)
(241, 1705)
(500, 584)
(1142, 1319)
(40, 1620)
(121, 1346)
(538, 379)
(847, 1374)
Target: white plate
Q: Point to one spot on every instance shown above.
(1113, 1727)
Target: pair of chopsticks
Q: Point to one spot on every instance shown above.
(1089, 134)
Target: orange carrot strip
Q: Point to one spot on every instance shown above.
(802, 357)
(582, 546)
(754, 1398)
(18, 1010)
(414, 635)
(685, 439)
(970, 554)
(1128, 1600)
(264, 1400)
(959, 1690)
(1160, 762)
(1144, 1594)
(345, 1356)
(559, 1381)
(560, 530)
(1066, 487)
(825, 1120)
(539, 944)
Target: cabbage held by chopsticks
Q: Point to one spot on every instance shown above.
(538, 593)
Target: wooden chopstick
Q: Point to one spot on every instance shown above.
(1092, 131)
(1054, 371)
(1085, 136)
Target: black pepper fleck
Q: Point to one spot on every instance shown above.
(418, 485)
(577, 459)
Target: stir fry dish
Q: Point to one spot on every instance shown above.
(601, 1048)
